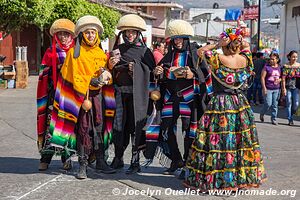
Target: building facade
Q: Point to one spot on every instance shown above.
(289, 28)
(163, 11)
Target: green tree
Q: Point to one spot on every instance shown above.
(42, 13)
(13, 15)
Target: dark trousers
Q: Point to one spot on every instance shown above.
(121, 139)
(168, 125)
(253, 90)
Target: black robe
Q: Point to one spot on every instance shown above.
(144, 64)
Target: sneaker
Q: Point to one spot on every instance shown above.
(291, 123)
(274, 122)
(261, 117)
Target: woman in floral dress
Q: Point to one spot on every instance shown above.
(226, 152)
(290, 74)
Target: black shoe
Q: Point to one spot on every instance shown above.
(261, 117)
(133, 168)
(291, 123)
(117, 163)
(103, 167)
(82, 171)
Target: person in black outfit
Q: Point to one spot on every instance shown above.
(131, 62)
(182, 89)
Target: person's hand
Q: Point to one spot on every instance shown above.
(158, 70)
(223, 42)
(284, 92)
(130, 66)
(112, 62)
(264, 90)
(189, 74)
(277, 81)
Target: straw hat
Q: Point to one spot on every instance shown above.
(131, 21)
(88, 22)
(179, 27)
(62, 25)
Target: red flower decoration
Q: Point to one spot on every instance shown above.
(214, 139)
(229, 79)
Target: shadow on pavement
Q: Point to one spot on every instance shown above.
(151, 175)
(17, 165)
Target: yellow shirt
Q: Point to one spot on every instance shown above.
(79, 71)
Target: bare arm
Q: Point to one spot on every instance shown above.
(209, 47)
(263, 84)
(283, 85)
(245, 46)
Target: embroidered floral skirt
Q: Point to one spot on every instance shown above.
(226, 152)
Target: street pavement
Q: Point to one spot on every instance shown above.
(19, 159)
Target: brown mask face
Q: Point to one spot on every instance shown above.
(115, 53)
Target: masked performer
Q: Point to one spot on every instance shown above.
(131, 63)
(84, 105)
(180, 90)
(62, 32)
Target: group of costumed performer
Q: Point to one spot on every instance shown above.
(84, 104)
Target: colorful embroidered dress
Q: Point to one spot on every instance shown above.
(226, 152)
(291, 74)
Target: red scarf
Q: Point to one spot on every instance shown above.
(65, 47)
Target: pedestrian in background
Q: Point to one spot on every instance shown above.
(290, 72)
(259, 64)
(270, 80)
(62, 32)
(158, 52)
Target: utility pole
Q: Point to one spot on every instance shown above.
(258, 24)
(207, 22)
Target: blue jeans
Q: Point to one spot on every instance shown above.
(271, 101)
(256, 87)
(292, 102)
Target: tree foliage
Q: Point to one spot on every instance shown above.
(15, 14)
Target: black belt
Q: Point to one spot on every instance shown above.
(229, 91)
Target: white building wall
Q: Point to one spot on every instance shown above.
(289, 38)
(214, 27)
(148, 34)
(215, 12)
